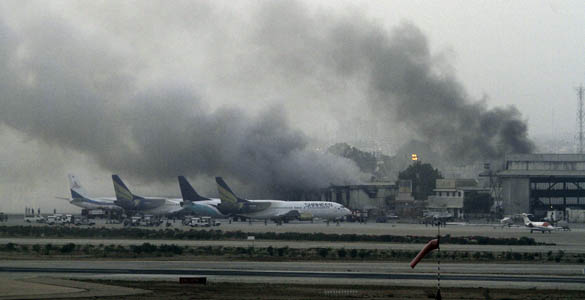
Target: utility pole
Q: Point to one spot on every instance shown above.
(580, 92)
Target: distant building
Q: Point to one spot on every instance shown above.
(364, 197)
(538, 183)
(450, 195)
(374, 198)
(405, 205)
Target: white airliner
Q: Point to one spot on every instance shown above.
(276, 209)
(145, 205)
(80, 198)
(537, 226)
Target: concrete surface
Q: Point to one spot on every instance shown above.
(50, 288)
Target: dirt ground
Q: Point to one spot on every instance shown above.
(174, 290)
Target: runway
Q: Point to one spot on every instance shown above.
(334, 267)
(524, 276)
(343, 275)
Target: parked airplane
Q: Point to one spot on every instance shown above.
(507, 221)
(146, 205)
(537, 226)
(275, 209)
(194, 203)
(80, 198)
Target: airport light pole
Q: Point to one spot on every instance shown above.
(438, 296)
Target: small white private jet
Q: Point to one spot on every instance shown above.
(537, 226)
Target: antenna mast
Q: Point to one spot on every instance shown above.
(580, 92)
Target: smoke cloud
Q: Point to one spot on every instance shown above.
(241, 97)
(404, 83)
(436, 107)
(71, 91)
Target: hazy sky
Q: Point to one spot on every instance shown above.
(527, 53)
(246, 89)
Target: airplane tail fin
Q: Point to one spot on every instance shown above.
(526, 219)
(77, 191)
(225, 193)
(124, 196)
(188, 192)
(232, 204)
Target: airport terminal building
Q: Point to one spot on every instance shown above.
(543, 183)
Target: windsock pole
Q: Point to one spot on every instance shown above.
(430, 246)
(438, 296)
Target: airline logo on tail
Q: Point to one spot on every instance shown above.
(122, 192)
(230, 203)
(225, 193)
(124, 197)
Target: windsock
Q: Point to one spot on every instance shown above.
(430, 246)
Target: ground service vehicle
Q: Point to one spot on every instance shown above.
(84, 221)
(58, 219)
(209, 222)
(194, 222)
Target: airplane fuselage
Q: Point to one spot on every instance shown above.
(95, 203)
(165, 206)
(537, 226)
(275, 209)
(205, 208)
(280, 208)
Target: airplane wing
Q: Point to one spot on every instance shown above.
(252, 207)
(289, 215)
(63, 198)
(178, 210)
(143, 204)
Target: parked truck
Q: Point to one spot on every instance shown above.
(200, 222)
(83, 221)
(209, 222)
(56, 219)
(31, 217)
(146, 220)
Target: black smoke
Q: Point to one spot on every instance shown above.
(72, 92)
(405, 83)
(436, 106)
(89, 90)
